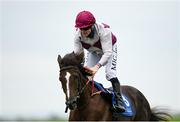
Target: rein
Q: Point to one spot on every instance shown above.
(80, 90)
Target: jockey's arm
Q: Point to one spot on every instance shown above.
(106, 42)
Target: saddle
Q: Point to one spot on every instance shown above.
(109, 94)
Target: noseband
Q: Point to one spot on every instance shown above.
(74, 100)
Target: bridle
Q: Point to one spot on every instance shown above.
(74, 100)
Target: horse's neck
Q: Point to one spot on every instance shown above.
(86, 94)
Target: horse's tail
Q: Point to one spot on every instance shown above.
(159, 115)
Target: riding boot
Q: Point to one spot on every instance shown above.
(119, 100)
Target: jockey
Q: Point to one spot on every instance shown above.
(100, 43)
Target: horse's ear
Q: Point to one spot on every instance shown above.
(59, 60)
(80, 57)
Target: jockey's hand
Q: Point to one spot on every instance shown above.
(95, 68)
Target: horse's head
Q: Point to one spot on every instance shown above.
(70, 77)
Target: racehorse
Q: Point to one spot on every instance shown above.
(87, 107)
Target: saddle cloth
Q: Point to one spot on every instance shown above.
(127, 103)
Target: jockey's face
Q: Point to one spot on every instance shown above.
(86, 31)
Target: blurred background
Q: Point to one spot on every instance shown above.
(34, 32)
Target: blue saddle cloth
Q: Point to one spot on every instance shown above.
(127, 103)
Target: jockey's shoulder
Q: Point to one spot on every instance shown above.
(102, 28)
(102, 25)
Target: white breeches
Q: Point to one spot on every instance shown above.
(110, 68)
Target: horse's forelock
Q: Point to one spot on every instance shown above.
(70, 59)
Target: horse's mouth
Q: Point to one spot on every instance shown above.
(72, 104)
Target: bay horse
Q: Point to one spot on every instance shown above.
(87, 107)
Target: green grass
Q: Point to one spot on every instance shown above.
(176, 118)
